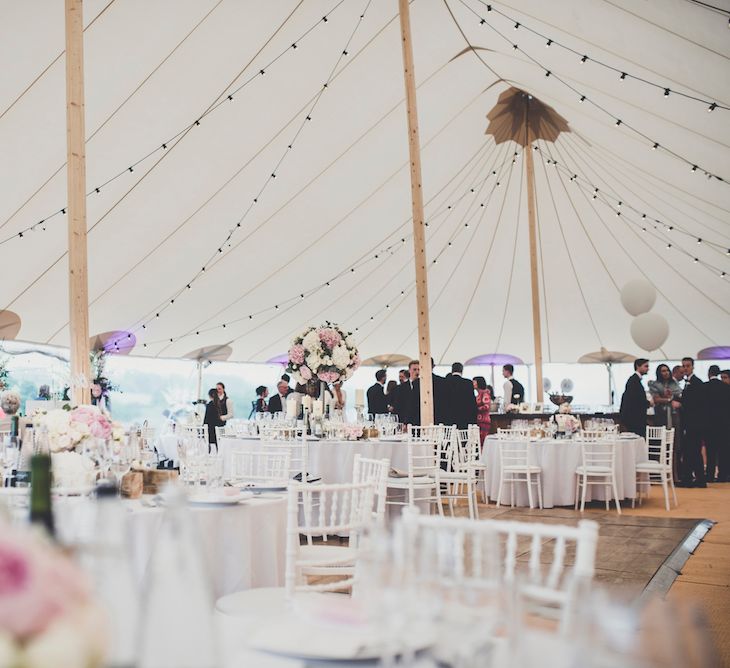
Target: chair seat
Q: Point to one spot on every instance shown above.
(456, 475)
(522, 469)
(252, 602)
(402, 483)
(651, 467)
(594, 470)
(325, 555)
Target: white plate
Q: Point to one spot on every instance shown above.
(82, 490)
(218, 499)
(263, 487)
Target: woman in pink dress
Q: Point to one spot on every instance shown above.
(484, 403)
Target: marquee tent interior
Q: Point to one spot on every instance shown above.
(213, 142)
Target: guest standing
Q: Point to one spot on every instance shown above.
(261, 405)
(408, 399)
(693, 417)
(634, 402)
(717, 426)
(461, 408)
(514, 392)
(225, 402)
(377, 405)
(213, 416)
(484, 404)
(277, 403)
(666, 393)
(440, 395)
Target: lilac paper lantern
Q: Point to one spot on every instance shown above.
(714, 353)
(282, 359)
(115, 343)
(493, 359)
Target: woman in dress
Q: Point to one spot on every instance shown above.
(261, 405)
(484, 403)
(213, 416)
(666, 394)
(390, 393)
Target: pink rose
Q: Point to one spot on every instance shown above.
(305, 372)
(37, 584)
(100, 429)
(296, 354)
(330, 337)
(84, 414)
(328, 376)
(356, 362)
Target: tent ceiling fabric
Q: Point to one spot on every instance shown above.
(340, 196)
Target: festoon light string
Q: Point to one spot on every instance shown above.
(623, 73)
(162, 146)
(582, 97)
(170, 301)
(382, 255)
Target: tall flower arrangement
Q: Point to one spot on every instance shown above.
(325, 353)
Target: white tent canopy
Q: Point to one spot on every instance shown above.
(338, 209)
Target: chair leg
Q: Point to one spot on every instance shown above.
(607, 492)
(499, 492)
(512, 493)
(665, 489)
(615, 494)
(633, 501)
(674, 493)
(539, 490)
(529, 489)
(583, 494)
(577, 491)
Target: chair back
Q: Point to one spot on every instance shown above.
(469, 445)
(374, 471)
(513, 434)
(267, 466)
(513, 454)
(325, 510)
(220, 432)
(291, 440)
(669, 450)
(598, 452)
(274, 432)
(482, 554)
(656, 441)
(197, 431)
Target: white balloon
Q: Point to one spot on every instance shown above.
(649, 331)
(638, 296)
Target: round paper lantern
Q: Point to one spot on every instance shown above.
(546, 384)
(638, 296)
(566, 385)
(649, 331)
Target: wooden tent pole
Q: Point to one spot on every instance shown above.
(536, 329)
(76, 177)
(419, 230)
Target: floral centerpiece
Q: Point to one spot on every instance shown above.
(565, 420)
(324, 353)
(72, 430)
(47, 617)
(10, 402)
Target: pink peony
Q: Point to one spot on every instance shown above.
(305, 372)
(100, 429)
(328, 376)
(330, 337)
(37, 584)
(356, 362)
(84, 414)
(296, 354)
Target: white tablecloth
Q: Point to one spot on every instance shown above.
(559, 459)
(330, 460)
(243, 544)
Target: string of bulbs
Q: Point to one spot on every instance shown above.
(41, 224)
(644, 223)
(583, 97)
(585, 58)
(282, 306)
(170, 301)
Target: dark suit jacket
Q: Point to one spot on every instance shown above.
(275, 404)
(717, 407)
(462, 403)
(407, 402)
(634, 405)
(441, 406)
(377, 404)
(693, 404)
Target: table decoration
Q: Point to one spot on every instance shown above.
(10, 402)
(47, 616)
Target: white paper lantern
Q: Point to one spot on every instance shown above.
(566, 385)
(546, 384)
(638, 296)
(649, 331)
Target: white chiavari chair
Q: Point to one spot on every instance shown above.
(294, 441)
(598, 467)
(375, 471)
(456, 553)
(459, 469)
(515, 467)
(196, 431)
(658, 468)
(266, 467)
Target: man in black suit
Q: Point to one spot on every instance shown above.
(277, 403)
(634, 402)
(717, 432)
(377, 405)
(693, 418)
(441, 406)
(408, 401)
(461, 399)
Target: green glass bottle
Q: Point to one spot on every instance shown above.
(41, 510)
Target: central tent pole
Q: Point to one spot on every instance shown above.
(419, 230)
(76, 177)
(536, 329)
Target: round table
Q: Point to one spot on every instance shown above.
(243, 545)
(558, 459)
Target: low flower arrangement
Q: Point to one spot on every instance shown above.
(324, 353)
(10, 402)
(67, 430)
(47, 617)
(566, 421)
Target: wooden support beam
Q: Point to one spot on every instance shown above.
(419, 229)
(76, 176)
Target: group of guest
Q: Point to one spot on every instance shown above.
(699, 413)
(335, 396)
(456, 400)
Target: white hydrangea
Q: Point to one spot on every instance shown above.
(341, 356)
(311, 341)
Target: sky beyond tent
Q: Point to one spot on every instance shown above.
(268, 145)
